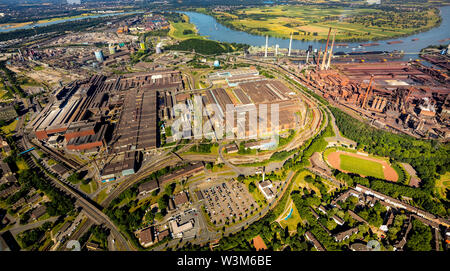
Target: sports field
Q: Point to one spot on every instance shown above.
(362, 164)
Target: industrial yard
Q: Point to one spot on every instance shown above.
(159, 126)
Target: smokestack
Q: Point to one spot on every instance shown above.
(367, 92)
(276, 50)
(331, 50)
(290, 45)
(326, 50)
(318, 58)
(267, 44)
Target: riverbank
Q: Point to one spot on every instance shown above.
(209, 27)
(47, 22)
(184, 30)
(311, 23)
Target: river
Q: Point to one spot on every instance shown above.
(209, 27)
(6, 29)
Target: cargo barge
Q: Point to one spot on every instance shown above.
(367, 56)
(369, 44)
(394, 42)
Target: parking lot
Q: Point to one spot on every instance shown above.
(227, 201)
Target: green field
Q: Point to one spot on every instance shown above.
(10, 128)
(300, 183)
(361, 166)
(177, 29)
(292, 221)
(312, 22)
(89, 188)
(101, 196)
(443, 184)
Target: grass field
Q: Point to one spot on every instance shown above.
(21, 165)
(443, 184)
(177, 29)
(89, 188)
(361, 166)
(4, 94)
(300, 183)
(292, 221)
(313, 22)
(101, 196)
(8, 129)
(16, 25)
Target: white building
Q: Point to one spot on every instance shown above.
(74, 2)
(177, 230)
(267, 189)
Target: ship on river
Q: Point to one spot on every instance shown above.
(368, 56)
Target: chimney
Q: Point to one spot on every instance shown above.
(331, 50)
(318, 58)
(290, 45)
(267, 44)
(276, 50)
(264, 173)
(326, 51)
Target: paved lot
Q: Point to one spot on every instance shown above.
(184, 217)
(227, 201)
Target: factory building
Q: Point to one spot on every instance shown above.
(119, 114)
(88, 142)
(248, 99)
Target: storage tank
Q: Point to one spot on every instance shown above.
(216, 63)
(99, 56)
(112, 49)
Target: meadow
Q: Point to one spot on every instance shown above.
(291, 222)
(313, 22)
(183, 30)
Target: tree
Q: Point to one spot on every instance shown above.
(170, 188)
(74, 178)
(420, 237)
(163, 201)
(251, 187)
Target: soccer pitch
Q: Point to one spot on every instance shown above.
(361, 166)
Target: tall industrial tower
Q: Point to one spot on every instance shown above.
(267, 45)
(290, 45)
(326, 51)
(331, 51)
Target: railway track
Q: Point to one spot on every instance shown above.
(89, 207)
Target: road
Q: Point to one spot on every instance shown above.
(208, 235)
(89, 207)
(159, 161)
(16, 229)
